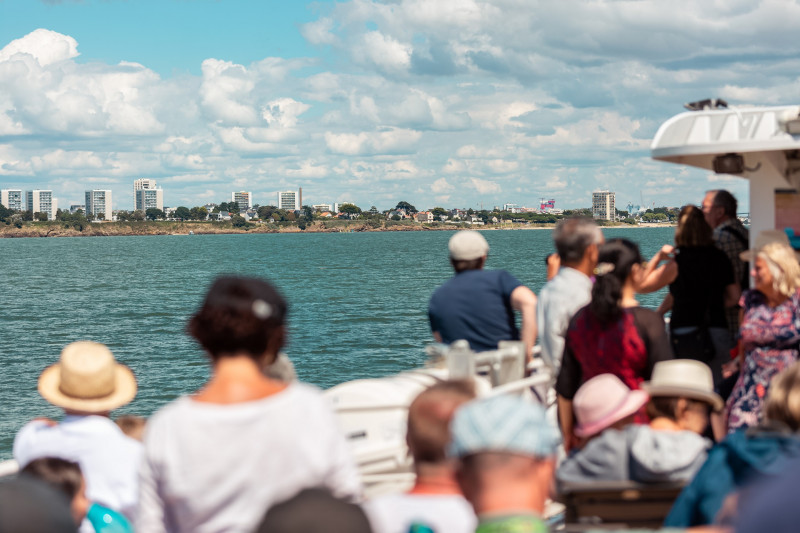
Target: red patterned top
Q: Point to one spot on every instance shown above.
(628, 348)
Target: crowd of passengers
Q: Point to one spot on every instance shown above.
(712, 402)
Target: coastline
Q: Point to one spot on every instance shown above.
(126, 229)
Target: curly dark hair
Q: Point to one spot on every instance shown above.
(238, 315)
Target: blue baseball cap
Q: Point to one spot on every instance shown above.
(503, 423)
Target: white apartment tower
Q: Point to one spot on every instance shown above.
(603, 205)
(146, 195)
(243, 199)
(99, 201)
(11, 199)
(38, 201)
(291, 200)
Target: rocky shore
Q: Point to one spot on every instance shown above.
(119, 229)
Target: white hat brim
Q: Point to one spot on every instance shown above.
(672, 390)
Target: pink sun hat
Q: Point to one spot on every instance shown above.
(603, 401)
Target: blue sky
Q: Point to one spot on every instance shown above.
(167, 36)
(457, 103)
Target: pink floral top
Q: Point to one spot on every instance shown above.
(771, 341)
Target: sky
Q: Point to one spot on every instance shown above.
(453, 103)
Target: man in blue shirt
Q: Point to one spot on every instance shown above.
(478, 305)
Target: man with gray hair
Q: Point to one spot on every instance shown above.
(577, 240)
(478, 305)
(719, 207)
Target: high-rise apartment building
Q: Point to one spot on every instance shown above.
(152, 198)
(11, 199)
(142, 184)
(243, 199)
(99, 201)
(38, 201)
(603, 205)
(292, 200)
(149, 199)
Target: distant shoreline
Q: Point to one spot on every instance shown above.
(128, 229)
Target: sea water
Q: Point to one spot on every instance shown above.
(358, 302)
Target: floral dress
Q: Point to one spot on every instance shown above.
(770, 338)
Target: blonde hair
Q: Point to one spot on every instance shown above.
(783, 265)
(783, 398)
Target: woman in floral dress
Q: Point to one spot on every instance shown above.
(770, 330)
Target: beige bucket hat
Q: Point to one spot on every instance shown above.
(768, 237)
(87, 379)
(685, 378)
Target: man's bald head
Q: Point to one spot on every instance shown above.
(429, 417)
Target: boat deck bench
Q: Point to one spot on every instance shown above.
(616, 504)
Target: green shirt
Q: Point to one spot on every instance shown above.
(512, 524)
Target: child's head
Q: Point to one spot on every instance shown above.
(64, 476)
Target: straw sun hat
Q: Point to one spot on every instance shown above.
(87, 379)
(685, 378)
(768, 237)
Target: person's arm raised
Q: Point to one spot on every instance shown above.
(656, 277)
(524, 300)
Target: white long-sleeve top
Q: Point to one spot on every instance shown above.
(109, 460)
(214, 468)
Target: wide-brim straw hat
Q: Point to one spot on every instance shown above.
(87, 379)
(603, 401)
(683, 378)
(764, 238)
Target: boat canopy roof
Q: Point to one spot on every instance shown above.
(768, 136)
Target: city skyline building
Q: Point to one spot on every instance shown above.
(139, 185)
(292, 200)
(603, 205)
(147, 195)
(41, 201)
(11, 199)
(243, 199)
(99, 201)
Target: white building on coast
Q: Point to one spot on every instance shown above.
(603, 205)
(243, 199)
(98, 201)
(290, 200)
(39, 201)
(11, 199)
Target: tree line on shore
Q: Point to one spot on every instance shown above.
(241, 218)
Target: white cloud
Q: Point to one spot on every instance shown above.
(441, 186)
(46, 46)
(395, 141)
(556, 183)
(484, 186)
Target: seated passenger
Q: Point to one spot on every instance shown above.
(216, 460)
(671, 448)
(745, 456)
(315, 511)
(31, 506)
(435, 501)
(605, 402)
(506, 457)
(87, 383)
(66, 477)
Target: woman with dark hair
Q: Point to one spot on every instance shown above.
(611, 335)
(701, 287)
(217, 459)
